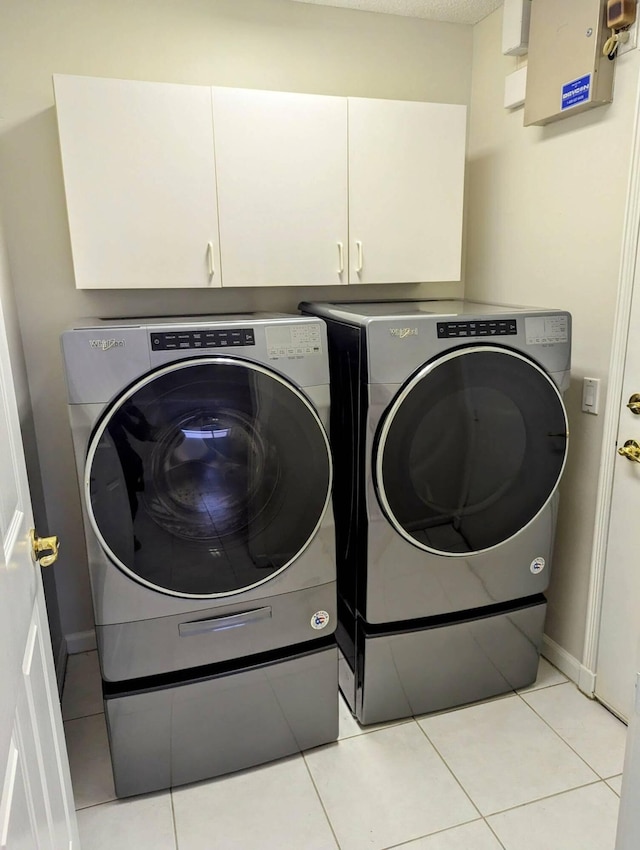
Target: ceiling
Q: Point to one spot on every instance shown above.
(453, 11)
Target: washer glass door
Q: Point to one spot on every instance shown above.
(471, 450)
(208, 477)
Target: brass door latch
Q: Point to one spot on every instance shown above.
(634, 404)
(40, 546)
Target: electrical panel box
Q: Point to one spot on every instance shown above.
(567, 72)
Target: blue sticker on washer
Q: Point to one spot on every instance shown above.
(575, 92)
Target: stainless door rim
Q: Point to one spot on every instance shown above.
(149, 378)
(391, 412)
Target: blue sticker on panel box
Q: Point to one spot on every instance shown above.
(577, 91)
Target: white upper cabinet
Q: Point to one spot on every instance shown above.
(406, 181)
(281, 162)
(140, 183)
(188, 186)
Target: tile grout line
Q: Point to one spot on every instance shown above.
(444, 831)
(315, 788)
(173, 819)
(565, 742)
(444, 762)
(548, 797)
(413, 718)
(599, 779)
(531, 689)
(596, 781)
(494, 833)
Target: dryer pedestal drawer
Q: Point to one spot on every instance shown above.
(197, 730)
(418, 671)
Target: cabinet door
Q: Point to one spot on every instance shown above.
(139, 177)
(282, 187)
(406, 178)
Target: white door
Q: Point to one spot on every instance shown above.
(406, 181)
(139, 178)
(620, 619)
(629, 816)
(36, 801)
(281, 162)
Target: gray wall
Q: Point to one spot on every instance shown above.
(271, 44)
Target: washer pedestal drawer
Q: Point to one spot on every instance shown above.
(174, 734)
(422, 670)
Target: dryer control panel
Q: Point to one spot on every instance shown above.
(293, 340)
(492, 327)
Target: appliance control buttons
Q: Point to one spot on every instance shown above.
(494, 327)
(218, 338)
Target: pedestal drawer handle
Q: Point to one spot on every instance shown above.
(220, 624)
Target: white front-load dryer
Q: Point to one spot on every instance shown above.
(450, 440)
(205, 475)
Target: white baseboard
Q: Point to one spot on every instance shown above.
(80, 642)
(587, 681)
(563, 660)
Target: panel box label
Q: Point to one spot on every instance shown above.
(575, 92)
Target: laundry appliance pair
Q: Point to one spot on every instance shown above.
(205, 476)
(449, 436)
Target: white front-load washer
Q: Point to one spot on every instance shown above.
(450, 439)
(205, 477)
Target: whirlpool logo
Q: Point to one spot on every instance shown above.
(106, 344)
(403, 333)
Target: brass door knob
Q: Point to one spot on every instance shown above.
(41, 545)
(630, 450)
(634, 404)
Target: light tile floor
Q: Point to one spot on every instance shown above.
(534, 770)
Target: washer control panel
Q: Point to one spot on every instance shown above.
(217, 338)
(492, 327)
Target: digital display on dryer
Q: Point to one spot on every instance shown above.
(217, 338)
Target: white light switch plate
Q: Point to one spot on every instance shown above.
(590, 395)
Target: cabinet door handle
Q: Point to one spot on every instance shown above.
(359, 261)
(212, 269)
(340, 257)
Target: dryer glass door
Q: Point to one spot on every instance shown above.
(208, 477)
(471, 450)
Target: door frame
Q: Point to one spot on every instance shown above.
(628, 281)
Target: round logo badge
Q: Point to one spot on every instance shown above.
(537, 565)
(319, 620)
